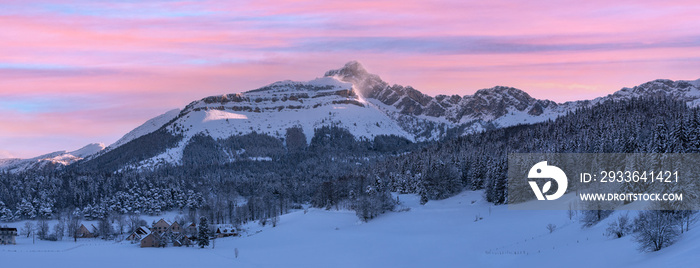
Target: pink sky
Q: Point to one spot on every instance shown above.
(76, 72)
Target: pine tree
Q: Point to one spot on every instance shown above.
(679, 138)
(26, 210)
(5, 213)
(660, 142)
(423, 197)
(203, 233)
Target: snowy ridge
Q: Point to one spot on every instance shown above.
(281, 105)
(487, 108)
(55, 159)
(274, 108)
(149, 126)
(682, 90)
(365, 105)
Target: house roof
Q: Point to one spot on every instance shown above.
(145, 230)
(165, 221)
(225, 228)
(8, 229)
(86, 229)
(144, 237)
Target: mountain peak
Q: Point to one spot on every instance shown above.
(351, 69)
(502, 90)
(365, 83)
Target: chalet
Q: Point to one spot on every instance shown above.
(7, 236)
(164, 233)
(150, 240)
(139, 233)
(182, 240)
(225, 230)
(190, 228)
(176, 228)
(83, 232)
(161, 226)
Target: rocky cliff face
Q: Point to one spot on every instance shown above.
(485, 105)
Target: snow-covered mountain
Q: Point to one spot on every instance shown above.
(151, 125)
(686, 91)
(275, 108)
(362, 103)
(50, 160)
(485, 106)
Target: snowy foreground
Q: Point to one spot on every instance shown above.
(440, 234)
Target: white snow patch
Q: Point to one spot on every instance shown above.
(213, 115)
(88, 150)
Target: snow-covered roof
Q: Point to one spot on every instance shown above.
(144, 237)
(225, 228)
(144, 229)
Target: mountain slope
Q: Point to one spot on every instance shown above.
(276, 108)
(50, 160)
(149, 126)
(353, 99)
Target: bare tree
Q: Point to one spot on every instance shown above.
(656, 229)
(28, 228)
(551, 228)
(121, 223)
(571, 212)
(133, 222)
(104, 229)
(686, 218)
(59, 229)
(73, 226)
(274, 220)
(42, 228)
(619, 228)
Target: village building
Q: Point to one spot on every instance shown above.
(83, 232)
(183, 240)
(176, 228)
(150, 240)
(225, 230)
(7, 236)
(163, 233)
(190, 228)
(139, 233)
(161, 226)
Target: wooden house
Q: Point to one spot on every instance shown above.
(7, 236)
(139, 233)
(225, 230)
(182, 240)
(150, 240)
(176, 228)
(161, 226)
(84, 232)
(190, 229)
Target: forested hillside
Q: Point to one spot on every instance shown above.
(229, 181)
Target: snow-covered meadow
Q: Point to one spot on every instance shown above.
(443, 233)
